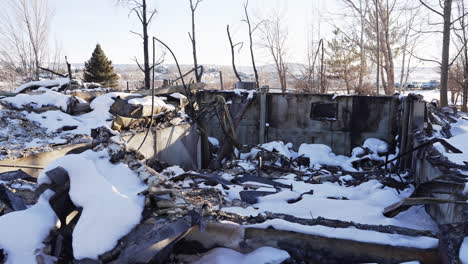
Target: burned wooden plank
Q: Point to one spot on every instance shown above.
(403, 205)
(211, 179)
(311, 248)
(388, 229)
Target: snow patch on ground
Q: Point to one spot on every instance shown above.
(263, 255)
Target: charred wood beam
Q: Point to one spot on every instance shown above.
(53, 72)
(388, 229)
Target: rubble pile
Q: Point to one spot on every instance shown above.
(41, 120)
(174, 204)
(270, 203)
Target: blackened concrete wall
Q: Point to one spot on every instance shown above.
(342, 122)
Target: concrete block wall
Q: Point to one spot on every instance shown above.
(342, 122)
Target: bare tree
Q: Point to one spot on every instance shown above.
(274, 40)
(252, 29)
(410, 42)
(462, 37)
(24, 44)
(193, 9)
(446, 15)
(233, 46)
(145, 16)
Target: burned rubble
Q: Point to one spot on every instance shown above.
(389, 200)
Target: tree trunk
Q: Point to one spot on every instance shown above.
(194, 44)
(361, 47)
(465, 84)
(403, 64)
(233, 55)
(378, 44)
(445, 53)
(147, 69)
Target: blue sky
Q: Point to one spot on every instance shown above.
(79, 24)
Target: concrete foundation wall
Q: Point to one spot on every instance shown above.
(177, 145)
(297, 118)
(41, 159)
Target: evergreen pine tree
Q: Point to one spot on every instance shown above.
(99, 69)
(343, 61)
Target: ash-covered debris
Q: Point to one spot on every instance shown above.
(274, 202)
(113, 208)
(20, 136)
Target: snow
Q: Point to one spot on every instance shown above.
(263, 255)
(214, 141)
(464, 251)
(459, 140)
(159, 104)
(43, 83)
(320, 154)
(376, 145)
(100, 116)
(178, 96)
(250, 95)
(365, 203)
(22, 232)
(276, 146)
(49, 98)
(173, 171)
(109, 197)
(429, 95)
(352, 234)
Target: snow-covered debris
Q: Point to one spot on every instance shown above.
(109, 197)
(159, 104)
(228, 256)
(459, 140)
(22, 232)
(48, 98)
(370, 197)
(376, 147)
(44, 83)
(178, 96)
(172, 171)
(99, 116)
(275, 146)
(319, 154)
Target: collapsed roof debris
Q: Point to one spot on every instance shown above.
(275, 202)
